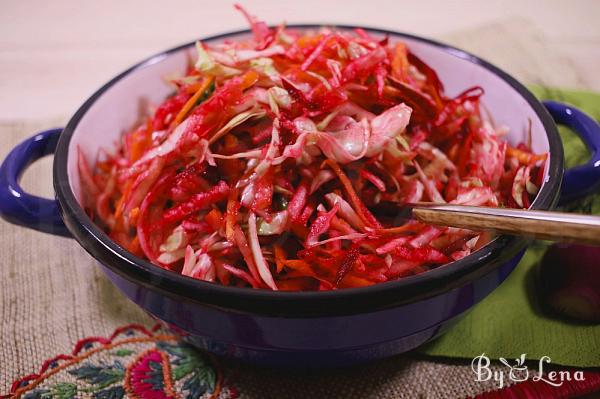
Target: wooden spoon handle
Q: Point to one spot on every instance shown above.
(554, 226)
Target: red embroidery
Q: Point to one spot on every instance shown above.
(133, 362)
(140, 379)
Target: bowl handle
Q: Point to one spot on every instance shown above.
(583, 179)
(18, 207)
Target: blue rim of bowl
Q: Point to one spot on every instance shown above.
(302, 304)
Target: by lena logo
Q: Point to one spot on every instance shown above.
(519, 372)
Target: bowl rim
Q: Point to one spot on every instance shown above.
(290, 303)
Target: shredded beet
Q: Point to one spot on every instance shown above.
(279, 161)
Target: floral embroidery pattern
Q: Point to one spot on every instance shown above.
(150, 375)
(133, 363)
(137, 363)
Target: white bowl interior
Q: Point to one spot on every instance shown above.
(119, 108)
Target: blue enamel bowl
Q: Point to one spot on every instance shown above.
(295, 328)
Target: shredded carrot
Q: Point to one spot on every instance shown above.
(134, 246)
(120, 205)
(299, 265)
(358, 205)
(231, 215)
(524, 157)
(206, 82)
(399, 62)
(133, 216)
(279, 257)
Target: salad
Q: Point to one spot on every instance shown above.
(281, 162)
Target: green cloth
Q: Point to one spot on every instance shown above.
(510, 321)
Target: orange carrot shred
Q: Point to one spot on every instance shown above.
(354, 199)
(279, 257)
(193, 99)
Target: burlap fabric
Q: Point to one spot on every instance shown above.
(53, 294)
